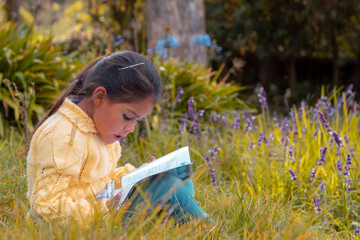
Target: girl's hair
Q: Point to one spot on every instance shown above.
(127, 77)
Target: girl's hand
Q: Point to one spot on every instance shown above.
(152, 158)
(112, 203)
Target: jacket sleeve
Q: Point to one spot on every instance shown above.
(61, 156)
(119, 172)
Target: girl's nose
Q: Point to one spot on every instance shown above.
(130, 128)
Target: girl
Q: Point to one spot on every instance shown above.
(74, 150)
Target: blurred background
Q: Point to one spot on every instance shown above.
(291, 48)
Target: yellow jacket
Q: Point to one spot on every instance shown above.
(68, 164)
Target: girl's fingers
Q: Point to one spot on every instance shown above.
(152, 158)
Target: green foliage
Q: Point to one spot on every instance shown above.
(254, 198)
(202, 84)
(25, 60)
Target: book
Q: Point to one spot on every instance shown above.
(177, 163)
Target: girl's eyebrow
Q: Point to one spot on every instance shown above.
(134, 113)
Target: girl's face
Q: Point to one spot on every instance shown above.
(114, 121)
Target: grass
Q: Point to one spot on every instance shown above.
(255, 196)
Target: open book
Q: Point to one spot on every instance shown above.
(177, 163)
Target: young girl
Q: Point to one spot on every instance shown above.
(74, 150)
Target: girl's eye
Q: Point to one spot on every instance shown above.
(126, 117)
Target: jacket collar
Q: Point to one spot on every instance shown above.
(77, 116)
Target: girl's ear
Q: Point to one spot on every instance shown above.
(99, 95)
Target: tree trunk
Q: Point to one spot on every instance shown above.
(12, 10)
(184, 19)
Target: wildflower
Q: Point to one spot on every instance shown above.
(346, 140)
(338, 165)
(217, 118)
(291, 152)
(321, 160)
(292, 173)
(202, 39)
(276, 119)
(349, 184)
(317, 204)
(183, 123)
(235, 126)
(260, 139)
(312, 174)
(248, 126)
(177, 98)
(324, 121)
(295, 133)
(245, 114)
(223, 120)
(322, 186)
(212, 171)
(303, 130)
(284, 126)
(348, 159)
(164, 121)
(262, 98)
(316, 132)
(334, 135)
(356, 231)
(171, 41)
(195, 125)
(160, 48)
(271, 137)
(191, 109)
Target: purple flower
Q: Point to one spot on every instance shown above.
(191, 108)
(164, 121)
(348, 159)
(212, 171)
(262, 98)
(349, 184)
(261, 139)
(321, 160)
(337, 139)
(223, 120)
(248, 126)
(322, 186)
(276, 119)
(284, 126)
(236, 125)
(317, 204)
(356, 231)
(291, 152)
(183, 123)
(312, 174)
(292, 173)
(324, 121)
(177, 98)
(316, 132)
(271, 137)
(245, 114)
(338, 165)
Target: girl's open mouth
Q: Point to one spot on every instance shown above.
(117, 137)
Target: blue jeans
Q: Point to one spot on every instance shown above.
(170, 193)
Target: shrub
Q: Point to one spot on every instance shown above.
(23, 61)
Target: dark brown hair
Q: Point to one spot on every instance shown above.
(122, 85)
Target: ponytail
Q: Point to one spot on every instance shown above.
(75, 88)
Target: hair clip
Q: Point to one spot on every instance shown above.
(134, 65)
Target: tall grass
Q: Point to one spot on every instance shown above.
(251, 193)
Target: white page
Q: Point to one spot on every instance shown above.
(180, 157)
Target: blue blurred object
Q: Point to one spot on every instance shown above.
(202, 39)
(172, 42)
